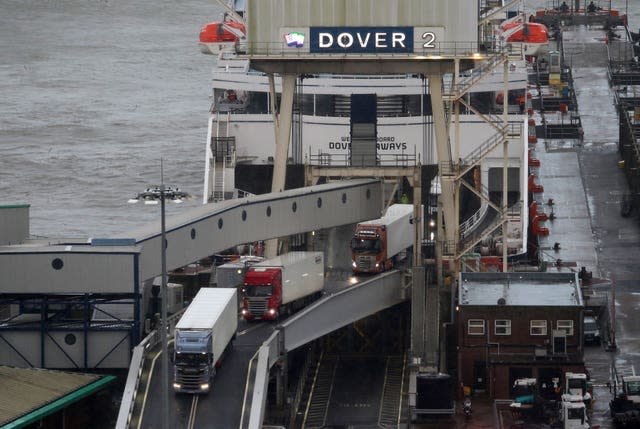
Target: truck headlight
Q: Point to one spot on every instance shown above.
(353, 264)
(244, 312)
(204, 386)
(177, 386)
(272, 311)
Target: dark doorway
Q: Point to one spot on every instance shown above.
(479, 376)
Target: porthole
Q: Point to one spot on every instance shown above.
(70, 339)
(268, 211)
(319, 202)
(344, 198)
(244, 215)
(220, 223)
(294, 207)
(193, 233)
(57, 264)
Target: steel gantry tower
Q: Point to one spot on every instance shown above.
(441, 58)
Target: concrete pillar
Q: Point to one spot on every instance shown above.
(282, 119)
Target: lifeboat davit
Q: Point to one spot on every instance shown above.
(532, 36)
(217, 36)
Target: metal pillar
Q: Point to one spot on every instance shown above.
(163, 313)
(418, 210)
(505, 166)
(449, 193)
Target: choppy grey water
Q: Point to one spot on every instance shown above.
(93, 93)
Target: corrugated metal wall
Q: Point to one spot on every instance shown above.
(265, 17)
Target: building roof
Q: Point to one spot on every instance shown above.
(520, 289)
(30, 394)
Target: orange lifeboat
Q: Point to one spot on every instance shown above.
(527, 32)
(216, 32)
(216, 35)
(532, 36)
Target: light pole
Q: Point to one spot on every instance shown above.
(152, 196)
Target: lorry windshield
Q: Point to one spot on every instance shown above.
(575, 414)
(577, 384)
(365, 245)
(190, 359)
(590, 326)
(633, 388)
(258, 290)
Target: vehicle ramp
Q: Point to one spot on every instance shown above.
(326, 315)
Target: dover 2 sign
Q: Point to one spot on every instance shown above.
(361, 40)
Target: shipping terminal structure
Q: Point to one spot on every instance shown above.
(476, 149)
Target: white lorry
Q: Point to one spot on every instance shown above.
(202, 335)
(377, 243)
(232, 273)
(282, 284)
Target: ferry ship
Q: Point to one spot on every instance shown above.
(240, 145)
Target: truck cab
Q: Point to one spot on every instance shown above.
(573, 412)
(369, 249)
(262, 294)
(578, 384)
(625, 405)
(193, 362)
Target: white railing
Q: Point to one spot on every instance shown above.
(136, 369)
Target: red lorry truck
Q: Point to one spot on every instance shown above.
(377, 243)
(282, 284)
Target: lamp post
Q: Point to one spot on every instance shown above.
(152, 196)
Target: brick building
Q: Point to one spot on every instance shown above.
(517, 325)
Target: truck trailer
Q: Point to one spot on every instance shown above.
(378, 243)
(202, 335)
(282, 284)
(232, 273)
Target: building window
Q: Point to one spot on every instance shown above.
(538, 327)
(475, 327)
(503, 327)
(566, 326)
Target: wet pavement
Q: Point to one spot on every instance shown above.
(586, 185)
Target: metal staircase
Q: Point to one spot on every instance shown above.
(391, 401)
(318, 404)
(223, 155)
(432, 326)
(458, 88)
(455, 170)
